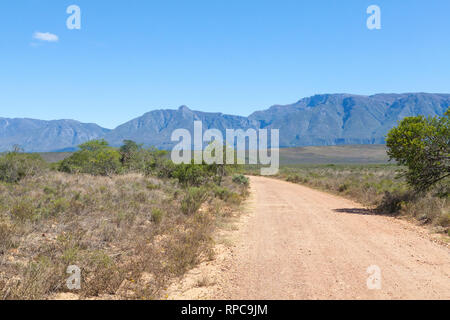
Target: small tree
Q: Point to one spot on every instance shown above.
(193, 200)
(423, 146)
(129, 152)
(94, 157)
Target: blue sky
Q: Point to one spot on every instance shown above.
(233, 56)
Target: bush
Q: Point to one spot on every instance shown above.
(130, 155)
(15, 166)
(185, 248)
(343, 187)
(193, 200)
(423, 146)
(162, 168)
(295, 178)
(23, 210)
(136, 159)
(157, 164)
(392, 202)
(428, 209)
(198, 174)
(241, 179)
(6, 238)
(190, 174)
(40, 277)
(95, 157)
(59, 205)
(157, 215)
(222, 193)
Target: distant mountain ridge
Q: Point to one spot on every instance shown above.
(327, 119)
(155, 128)
(334, 119)
(42, 136)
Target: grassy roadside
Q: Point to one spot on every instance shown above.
(376, 186)
(131, 234)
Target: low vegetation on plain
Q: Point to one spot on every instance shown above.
(129, 218)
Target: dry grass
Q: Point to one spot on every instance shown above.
(127, 234)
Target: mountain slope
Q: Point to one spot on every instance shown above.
(346, 119)
(44, 136)
(155, 128)
(329, 119)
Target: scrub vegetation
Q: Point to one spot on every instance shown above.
(129, 218)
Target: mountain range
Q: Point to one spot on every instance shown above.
(327, 119)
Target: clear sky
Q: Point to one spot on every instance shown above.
(233, 56)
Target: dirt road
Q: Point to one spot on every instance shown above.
(300, 243)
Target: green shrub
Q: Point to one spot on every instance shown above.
(130, 153)
(160, 167)
(222, 193)
(151, 162)
(157, 215)
(59, 205)
(23, 210)
(95, 157)
(422, 145)
(152, 186)
(234, 198)
(135, 158)
(241, 179)
(293, 178)
(193, 200)
(49, 190)
(190, 174)
(198, 174)
(14, 166)
(392, 203)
